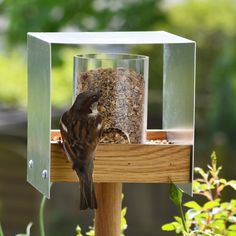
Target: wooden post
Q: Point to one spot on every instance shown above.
(108, 214)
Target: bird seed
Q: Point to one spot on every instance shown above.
(121, 103)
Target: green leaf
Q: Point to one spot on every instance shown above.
(123, 220)
(211, 204)
(193, 205)
(191, 213)
(225, 205)
(201, 172)
(200, 187)
(170, 227)
(78, 231)
(232, 183)
(91, 233)
(232, 227)
(218, 224)
(213, 158)
(201, 217)
(223, 181)
(178, 219)
(123, 212)
(233, 202)
(175, 194)
(1, 231)
(230, 233)
(196, 186)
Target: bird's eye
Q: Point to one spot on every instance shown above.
(94, 97)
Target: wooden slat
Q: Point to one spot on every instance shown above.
(129, 163)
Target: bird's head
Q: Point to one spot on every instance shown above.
(87, 101)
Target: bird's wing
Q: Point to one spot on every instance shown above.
(67, 137)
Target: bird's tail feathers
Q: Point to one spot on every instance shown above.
(87, 191)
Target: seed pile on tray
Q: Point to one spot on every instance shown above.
(114, 136)
(121, 103)
(117, 136)
(159, 141)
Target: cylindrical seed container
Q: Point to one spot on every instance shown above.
(123, 82)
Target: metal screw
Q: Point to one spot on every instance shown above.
(44, 174)
(31, 164)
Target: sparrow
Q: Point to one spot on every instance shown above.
(81, 128)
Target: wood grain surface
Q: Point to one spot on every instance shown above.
(129, 163)
(107, 216)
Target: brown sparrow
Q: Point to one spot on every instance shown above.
(81, 128)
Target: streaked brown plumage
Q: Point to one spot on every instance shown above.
(81, 128)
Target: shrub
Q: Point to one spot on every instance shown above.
(214, 217)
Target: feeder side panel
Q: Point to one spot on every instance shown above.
(39, 114)
(179, 88)
(179, 94)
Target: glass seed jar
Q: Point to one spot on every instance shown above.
(123, 83)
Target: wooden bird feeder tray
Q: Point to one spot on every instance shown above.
(115, 163)
(141, 163)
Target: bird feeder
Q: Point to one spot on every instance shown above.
(136, 162)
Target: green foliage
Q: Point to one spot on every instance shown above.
(1, 231)
(123, 221)
(175, 195)
(13, 83)
(203, 16)
(224, 91)
(49, 16)
(84, 15)
(91, 232)
(211, 23)
(78, 231)
(214, 217)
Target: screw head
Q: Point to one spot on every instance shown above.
(44, 174)
(30, 164)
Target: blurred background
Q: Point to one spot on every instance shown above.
(211, 23)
